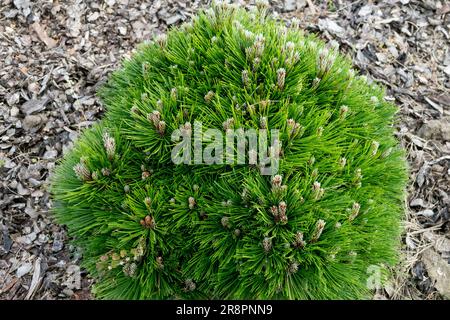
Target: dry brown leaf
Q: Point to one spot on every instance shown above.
(43, 36)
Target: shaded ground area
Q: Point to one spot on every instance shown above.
(55, 54)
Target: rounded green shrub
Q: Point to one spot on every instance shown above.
(150, 228)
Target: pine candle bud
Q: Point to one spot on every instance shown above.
(281, 76)
(320, 225)
(374, 100)
(237, 25)
(130, 269)
(343, 112)
(263, 104)
(174, 93)
(295, 23)
(274, 212)
(194, 62)
(191, 202)
(353, 255)
(252, 157)
(293, 268)
(263, 122)
(299, 242)
(317, 190)
(244, 194)
(293, 59)
(189, 285)
(161, 127)
(161, 39)
(319, 131)
(95, 175)
(316, 82)
(357, 180)
(262, 4)
(134, 110)
(225, 221)
(209, 96)
(154, 117)
(358, 174)
(256, 63)
(259, 45)
(250, 108)
(293, 127)
(282, 32)
(375, 145)
(282, 206)
(159, 263)
(159, 104)
(342, 162)
(245, 78)
(267, 244)
(283, 218)
(386, 153)
(354, 211)
(148, 201)
(273, 62)
(82, 172)
(276, 181)
(110, 145)
(325, 61)
(203, 215)
(148, 222)
(145, 175)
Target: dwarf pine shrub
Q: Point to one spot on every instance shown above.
(153, 228)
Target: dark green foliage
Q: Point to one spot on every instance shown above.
(150, 229)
